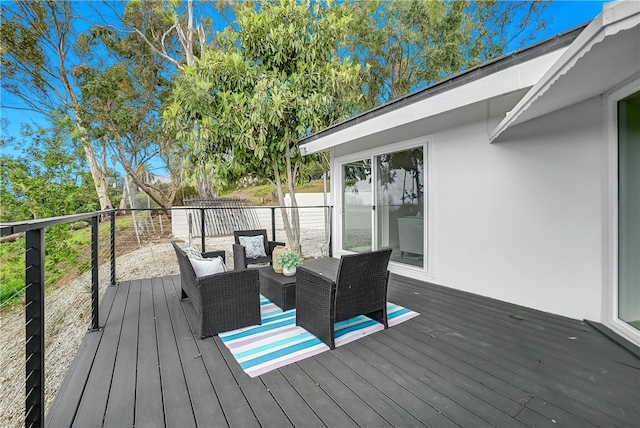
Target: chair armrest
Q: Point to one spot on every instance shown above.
(239, 257)
(215, 253)
(235, 283)
(314, 284)
(274, 244)
(315, 299)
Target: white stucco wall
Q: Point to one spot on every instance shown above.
(521, 220)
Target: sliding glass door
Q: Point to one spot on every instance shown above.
(383, 205)
(400, 200)
(629, 210)
(357, 200)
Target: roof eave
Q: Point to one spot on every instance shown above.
(463, 79)
(605, 24)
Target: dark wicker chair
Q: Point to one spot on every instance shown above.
(359, 287)
(240, 260)
(224, 301)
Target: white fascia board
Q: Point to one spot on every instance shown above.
(515, 78)
(615, 17)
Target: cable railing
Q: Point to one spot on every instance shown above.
(44, 321)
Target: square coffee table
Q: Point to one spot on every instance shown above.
(278, 288)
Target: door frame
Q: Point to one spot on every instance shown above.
(610, 292)
(424, 272)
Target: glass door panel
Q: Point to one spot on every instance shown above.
(629, 210)
(357, 200)
(400, 205)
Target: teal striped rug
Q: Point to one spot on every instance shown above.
(278, 341)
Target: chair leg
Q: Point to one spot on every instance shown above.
(332, 338)
(380, 316)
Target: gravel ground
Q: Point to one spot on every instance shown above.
(68, 313)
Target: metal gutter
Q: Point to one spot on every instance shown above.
(483, 70)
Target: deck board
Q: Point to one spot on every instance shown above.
(518, 336)
(358, 383)
(65, 404)
(121, 404)
(329, 412)
(463, 362)
(580, 401)
(196, 376)
(96, 394)
(291, 403)
(149, 409)
(357, 409)
(476, 408)
(175, 395)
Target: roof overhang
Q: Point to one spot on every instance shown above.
(520, 76)
(604, 55)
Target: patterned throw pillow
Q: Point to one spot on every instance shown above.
(205, 267)
(253, 245)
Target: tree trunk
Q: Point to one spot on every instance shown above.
(291, 226)
(99, 178)
(125, 194)
(202, 187)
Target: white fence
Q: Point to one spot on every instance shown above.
(313, 217)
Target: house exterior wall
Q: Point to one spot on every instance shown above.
(520, 221)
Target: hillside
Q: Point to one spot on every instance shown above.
(266, 194)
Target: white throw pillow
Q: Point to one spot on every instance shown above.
(205, 267)
(253, 245)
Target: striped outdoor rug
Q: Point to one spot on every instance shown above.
(278, 341)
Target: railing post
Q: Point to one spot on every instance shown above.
(95, 318)
(273, 223)
(330, 231)
(34, 312)
(202, 228)
(113, 248)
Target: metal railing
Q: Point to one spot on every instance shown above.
(34, 297)
(317, 218)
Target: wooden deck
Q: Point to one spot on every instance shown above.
(463, 362)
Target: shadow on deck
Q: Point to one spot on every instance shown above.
(463, 362)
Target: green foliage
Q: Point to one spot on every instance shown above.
(408, 44)
(120, 104)
(48, 180)
(64, 250)
(185, 191)
(277, 78)
(12, 273)
(263, 190)
(37, 67)
(290, 259)
(312, 169)
(60, 255)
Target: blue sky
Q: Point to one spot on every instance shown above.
(561, 15)
(565, 14)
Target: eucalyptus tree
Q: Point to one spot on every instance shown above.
(122, 94)
(177, 33)
(408, 44)
(36, 65)
(276, 77)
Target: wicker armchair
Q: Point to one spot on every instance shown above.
(240, 260)
(359, 287)
(224, 301)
